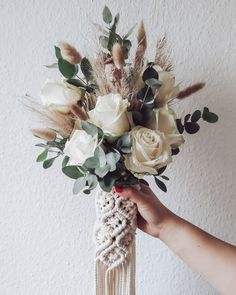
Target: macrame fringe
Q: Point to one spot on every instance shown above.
(117, 280)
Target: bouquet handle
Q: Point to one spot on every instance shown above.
(115, 229)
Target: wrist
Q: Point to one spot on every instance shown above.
(168, 226)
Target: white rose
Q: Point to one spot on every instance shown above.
(168, 90)
(110, 114)
(60, 95)
(80, 147)
(165, 123)
(150, 151)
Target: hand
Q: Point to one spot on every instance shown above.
(152, 214)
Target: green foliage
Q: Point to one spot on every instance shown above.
(79, 185)
(91, 163)
(101, 171)
(123, 144)
(107, 182)
(89, 128)
(112, 158)
(48, 163)
(144, 116)
(77, 82)
(150, 73)
(100, 154)
(86, 69)
(91, 182)
(196, 116)
(67, 69)
(72, 172)
(52, 66)
(110, 36)
(107, 16)
(153, 83)
(43, 156)
(160, 184)
(58, 52)
(65, 161)
(208, 116)
(190, 124)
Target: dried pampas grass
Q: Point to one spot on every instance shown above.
(163, 55)
(118, 56)
(69, 53)
(100, 76)
(190, 90)
(45, 133)
(78, 112)
(140, 51)
(60, 122)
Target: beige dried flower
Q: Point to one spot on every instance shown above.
(190, 90)
(77, 111)
(45, 133)
(118, 56)
(69, 53)
(141, 36)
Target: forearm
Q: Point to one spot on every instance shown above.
(212, 258)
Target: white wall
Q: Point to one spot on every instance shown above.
(46, 243)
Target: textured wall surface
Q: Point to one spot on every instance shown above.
(46, 243)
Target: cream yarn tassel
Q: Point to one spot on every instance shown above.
(115, 244)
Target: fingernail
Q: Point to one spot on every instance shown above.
(118, 189)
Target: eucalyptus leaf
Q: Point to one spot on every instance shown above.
(153, 83)
(161, 170)
(112, 159)
(92, 163)
(41, 157)
(165, 177)
(191, 127)
(107, 182)
(100, 154)
(79, 185)
(137, 118)
(160, 184)
(91, 181)
(196, 116)
(149, 73)
(52, 66)
(67, 69)
(180, 126)
(187, 117)
(86, 68)
(58, 52)
(89, 128)
(65, 161)
(175, 151)
(48, 163)
(111, 39)
(116, 19)
(124, 141)
(208, 116)
(107, 15)
(72, 172)
(102, 171)
(77, 82)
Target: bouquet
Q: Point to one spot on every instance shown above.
(111, 119)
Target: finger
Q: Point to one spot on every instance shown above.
(143, 181)
(131, 193)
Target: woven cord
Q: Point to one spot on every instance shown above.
(115, 244)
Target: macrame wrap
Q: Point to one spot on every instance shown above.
(115, 229)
